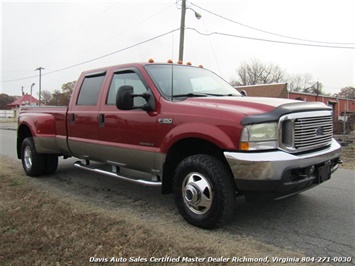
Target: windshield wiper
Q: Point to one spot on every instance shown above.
(191, 94)
(203, 94)
(221, 95)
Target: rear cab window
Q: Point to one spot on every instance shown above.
(90, 89)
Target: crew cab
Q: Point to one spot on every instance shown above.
(185, 129)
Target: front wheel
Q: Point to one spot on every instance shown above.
(204, 191)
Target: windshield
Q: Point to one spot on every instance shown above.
(187, 81)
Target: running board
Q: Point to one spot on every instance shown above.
(112, 174)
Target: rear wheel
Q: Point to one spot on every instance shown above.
(51, 164)
(204, 191)
(33, 163)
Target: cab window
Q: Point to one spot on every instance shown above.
(90, 90)
(126, 78)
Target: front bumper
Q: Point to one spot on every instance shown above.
(277, 174)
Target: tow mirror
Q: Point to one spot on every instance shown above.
(125, 96)
(243, 93)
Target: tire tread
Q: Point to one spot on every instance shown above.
(223, 184)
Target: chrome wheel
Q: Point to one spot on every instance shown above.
(197, 193)
(204, 191)
(28, 158)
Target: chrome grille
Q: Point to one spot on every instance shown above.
(313, 131)
(305, 131)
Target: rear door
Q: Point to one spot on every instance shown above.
(83, 123)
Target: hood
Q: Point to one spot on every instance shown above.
(253, 110)
(243, 105)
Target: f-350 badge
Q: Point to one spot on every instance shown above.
(165, 121)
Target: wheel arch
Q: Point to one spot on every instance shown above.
(23, 132)
(182, 149)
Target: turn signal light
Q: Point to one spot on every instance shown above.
(244, 146)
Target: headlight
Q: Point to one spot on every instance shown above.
(259, 137)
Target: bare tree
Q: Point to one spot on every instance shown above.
(256, 72)
(46, 97)
(67, 90)
(347, 92)
(316, 88)
(5, 100)
(300, 82)
(58, 98)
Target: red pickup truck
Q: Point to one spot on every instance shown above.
(187, 130)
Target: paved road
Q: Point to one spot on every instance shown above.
(318, 222)
(8, 143)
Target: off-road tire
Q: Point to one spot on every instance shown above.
(204, 191)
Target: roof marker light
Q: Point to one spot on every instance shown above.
(150, 60)
(180, 62)
(188, 63)
(170, 61)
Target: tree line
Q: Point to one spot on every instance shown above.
(256, 72)
(58, 98)
(55, 98)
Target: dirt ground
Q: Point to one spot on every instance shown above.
(348, 150)
(41, 224)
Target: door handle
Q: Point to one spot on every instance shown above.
(101, 120)
(72, 119)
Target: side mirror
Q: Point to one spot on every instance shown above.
(243, 93)
(125, 96)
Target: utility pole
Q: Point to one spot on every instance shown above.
(40, 76)
(345, 117)
(182, 30)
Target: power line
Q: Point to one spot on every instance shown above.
(268, 32)
(97, 58)
(120, 33)
(267, 40)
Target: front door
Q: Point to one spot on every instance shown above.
(127, 138)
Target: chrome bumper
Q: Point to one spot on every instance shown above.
(277, 174)
(271, 165)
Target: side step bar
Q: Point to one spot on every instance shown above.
(112, 174)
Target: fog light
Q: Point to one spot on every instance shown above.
(312, 169)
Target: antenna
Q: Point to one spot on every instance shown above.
(172, 69)
(172, 82)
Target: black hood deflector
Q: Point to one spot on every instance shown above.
(275, 114)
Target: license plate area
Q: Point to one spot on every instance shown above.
(323, 174)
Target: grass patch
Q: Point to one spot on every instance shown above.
(16, 183)
(348, 156)
(41, 227)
